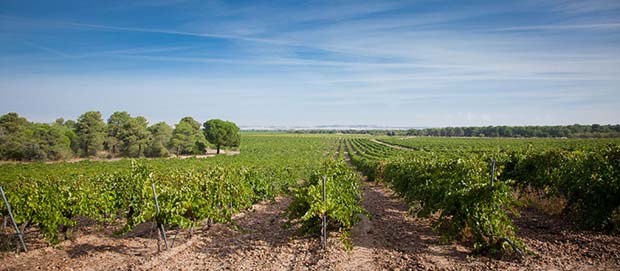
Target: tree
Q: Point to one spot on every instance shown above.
(90, 130)
(222, 133)
(59, 121)
(13, 134)
(457, 131)
(60, 143)
(126, 135)
(161, 134)
(134, 137)
(48, 142)
(69, 128)
(23, 140)
(116, 123)
(191, 121)
(187, 138)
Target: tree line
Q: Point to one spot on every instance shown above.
(121, 136)
(573, 131)
(334, 131)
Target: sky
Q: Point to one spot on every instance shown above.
(294, 63)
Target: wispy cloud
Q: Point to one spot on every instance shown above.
(46, 49)
(603, 26)
(398, 62)
(119, 52)
(137, 29)
(584, 7)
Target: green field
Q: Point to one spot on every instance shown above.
(190, 190)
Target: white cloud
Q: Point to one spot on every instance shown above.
(409, 70)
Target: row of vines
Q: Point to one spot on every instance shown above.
(52, 196)
(452, 178)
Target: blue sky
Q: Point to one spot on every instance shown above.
(403, 63)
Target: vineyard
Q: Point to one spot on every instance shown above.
(190, 190)
(471, 182)
(469, 193)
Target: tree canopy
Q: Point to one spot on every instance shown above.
(121, 136)
(159, 145)
(25, 141)
(90, 130)
(116, 124)
(222, 133)
(187, 138)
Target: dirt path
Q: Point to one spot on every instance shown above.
(393, 239)
(390, 240)
(260, 243)
(93, 248)
(257, 242)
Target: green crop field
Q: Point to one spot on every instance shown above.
(447, 180)
(453, 176)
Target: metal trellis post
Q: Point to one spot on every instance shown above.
(492, 171)
(160, 226)
(8, 207)
(324, 220)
